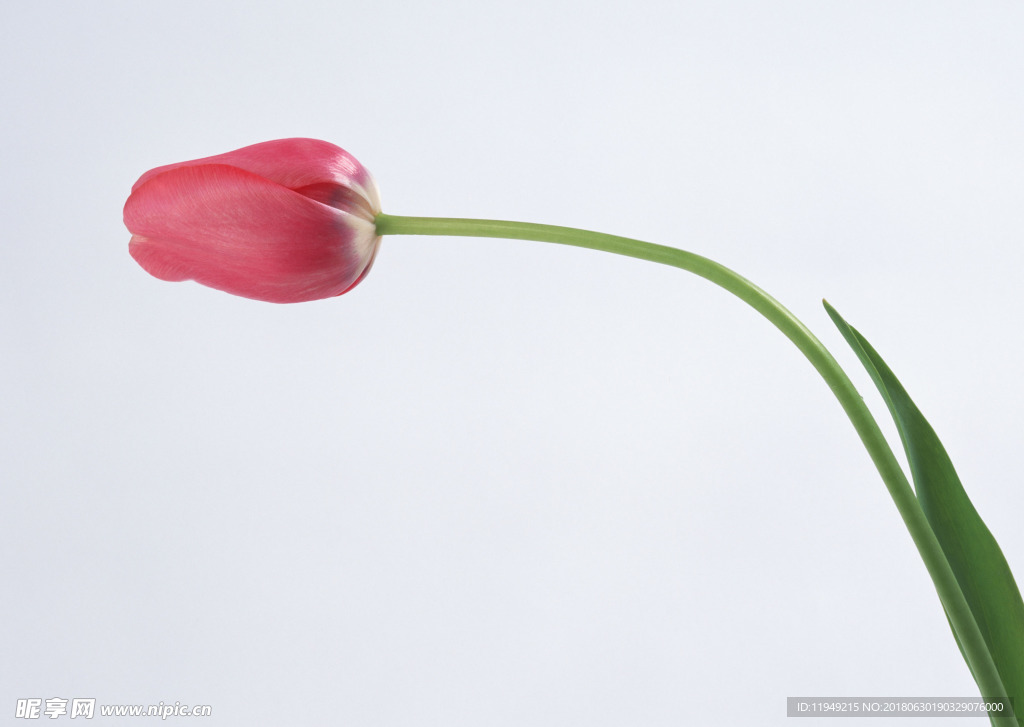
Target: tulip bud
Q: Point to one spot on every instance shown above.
(283, 221)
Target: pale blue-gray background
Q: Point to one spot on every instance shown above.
(504, 483)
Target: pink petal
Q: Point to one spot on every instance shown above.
(292, 163)
(235, 231)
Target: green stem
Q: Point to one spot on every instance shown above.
(878, 448)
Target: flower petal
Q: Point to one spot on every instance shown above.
(235, 231)
(293, 163)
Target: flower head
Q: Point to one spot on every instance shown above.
(283, 221)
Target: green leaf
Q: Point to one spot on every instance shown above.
(973, 554)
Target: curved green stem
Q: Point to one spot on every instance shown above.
(878, 448)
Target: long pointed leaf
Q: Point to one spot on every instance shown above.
(973, 554)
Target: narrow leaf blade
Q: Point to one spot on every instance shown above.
(973, 553)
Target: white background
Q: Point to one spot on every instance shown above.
(504, 483)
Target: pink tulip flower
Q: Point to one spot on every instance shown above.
(283, 221)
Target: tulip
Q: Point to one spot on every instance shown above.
(283, 221)
(299, 219)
